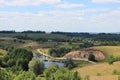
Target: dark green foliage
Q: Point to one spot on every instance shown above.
(0, 63)
(91, 57)
(19, 58)
(111, 59)
(55, 73)
(36, 66)
(86, 45)
(5, 75)
(69, 63)
(76, 76)
(50, 71)
(115, 72)
(26, 76)
(59, 52)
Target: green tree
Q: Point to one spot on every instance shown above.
(76, 76)
(5, 75)
(36, 65)
(19, 57)
(50, 71)
(26, 76)
(69, 63)
(91, 57)
(111, 59)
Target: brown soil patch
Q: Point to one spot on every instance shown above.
(84, 53)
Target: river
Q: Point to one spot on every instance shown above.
(47, 63)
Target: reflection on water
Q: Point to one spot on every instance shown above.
(47, 64)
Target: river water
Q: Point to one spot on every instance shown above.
(47, 63)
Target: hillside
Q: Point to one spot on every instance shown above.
(109, 50)
(84, 53)
(102, 69)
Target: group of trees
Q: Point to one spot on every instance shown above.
(20, 65)
(60, 51)
(55, 73)
(69, 63)
(113, 59)
(19, 59)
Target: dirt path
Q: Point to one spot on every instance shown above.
(63, 58)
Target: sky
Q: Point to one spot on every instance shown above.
(60, 15)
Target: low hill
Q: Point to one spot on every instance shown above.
(84, 53)
(109, 50)
(111, 77)
(103, 69)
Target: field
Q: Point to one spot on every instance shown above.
(102, 69)
(109, 50)
(111, 77)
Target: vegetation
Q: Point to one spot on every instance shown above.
(55, 73)
(19, 58)
(91, 57)
(17, 61)
(61, 50)
(69, 63)
(36, 66)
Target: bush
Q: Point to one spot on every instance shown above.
(69, 63)
(26, 76)
(55, 73)
(19, 57)
(91, 57)
(36, 66)
(5, 75)
(111, 59)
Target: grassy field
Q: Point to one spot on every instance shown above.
(103, 69)
(111, 77)
(109, 50)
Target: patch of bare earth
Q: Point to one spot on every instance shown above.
(84, 53)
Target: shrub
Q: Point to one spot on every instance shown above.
(91, 57)
(36, 66)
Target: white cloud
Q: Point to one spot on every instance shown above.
(106, 1)
(27, 2)
(67, 5)
(62, 20)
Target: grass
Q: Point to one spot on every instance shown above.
(45, 50)
(111, 77)
(109, 50)
(104, 69)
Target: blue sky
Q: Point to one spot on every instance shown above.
(60, 15)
